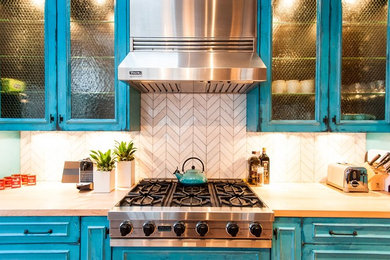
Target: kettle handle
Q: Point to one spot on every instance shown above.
(196, 158)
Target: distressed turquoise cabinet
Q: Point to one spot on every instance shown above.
(345, 252)
(343, 238)
(359, 69)
(40, 251)
(95, 239)
(294, 45)
(287, 242)
(190, 254)
(92, 40)
(39, 238)
(15, 230)
(58, 66)
(328, 67)
(27, 65)
(346, 231)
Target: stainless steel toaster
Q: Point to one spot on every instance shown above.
(347, 177)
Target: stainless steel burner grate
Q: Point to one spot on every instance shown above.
(148, 193)
(217, 193)
(191, 196)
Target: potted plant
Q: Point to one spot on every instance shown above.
(125, 168)
(103, 177)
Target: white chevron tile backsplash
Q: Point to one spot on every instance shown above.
(209, 126)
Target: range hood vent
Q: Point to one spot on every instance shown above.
(246, 45)
(203, 46)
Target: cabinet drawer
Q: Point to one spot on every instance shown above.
(39, 230)
(345, 252)
(348, 231)
(40, 251)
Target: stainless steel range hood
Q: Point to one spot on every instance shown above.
(193, 46)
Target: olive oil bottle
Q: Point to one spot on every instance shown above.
(253, 165)
(265, 162)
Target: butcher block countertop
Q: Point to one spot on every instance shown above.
(56, 199)
(320, 200)
(286, 200)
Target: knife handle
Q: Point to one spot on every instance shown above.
(374, 159)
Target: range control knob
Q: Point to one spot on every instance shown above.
(256, 229)
(148, 228)
(202, 228)
(232, 229)
(179, 228)
(125, 228)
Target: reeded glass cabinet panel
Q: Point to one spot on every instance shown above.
(363, 61)
(92, 59)
(294, 45)
(294, 59)
(22, 59)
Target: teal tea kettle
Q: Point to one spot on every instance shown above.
(193, 176)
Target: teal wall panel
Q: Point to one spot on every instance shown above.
(378, 141)
(9, 153)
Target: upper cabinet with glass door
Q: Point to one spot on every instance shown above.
(90, 96)
(359, 100)
(27, 65)
(294, 46)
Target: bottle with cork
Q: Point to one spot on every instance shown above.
(265, 162)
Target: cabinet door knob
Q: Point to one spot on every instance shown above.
(325, 120)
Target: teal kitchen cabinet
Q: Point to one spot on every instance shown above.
(58, 66)
(328, 67)
(122, 253)
(294, 45)
(39, 238)
(28, 65)
(359, 66)
(95, 239)
(345, 252)
(344, 238)
(287, 242)
(40, 251)
(346, 231)
(92, 40)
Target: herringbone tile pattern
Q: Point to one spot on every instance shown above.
(209, 126)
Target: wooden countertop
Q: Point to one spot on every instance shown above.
(286, 200)
(320, 200)
(56, 199)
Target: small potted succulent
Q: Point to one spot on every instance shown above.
(103, 176)
(125, 167)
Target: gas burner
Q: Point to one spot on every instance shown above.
(147, 193)
(235, 193)
(190, 196)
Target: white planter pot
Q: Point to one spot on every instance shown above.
(125, 174)
(103, 181)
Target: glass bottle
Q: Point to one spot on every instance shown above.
(265, 162)
(253, 163)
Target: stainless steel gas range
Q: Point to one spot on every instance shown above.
(163, 212)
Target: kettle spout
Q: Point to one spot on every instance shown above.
(178, 174)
